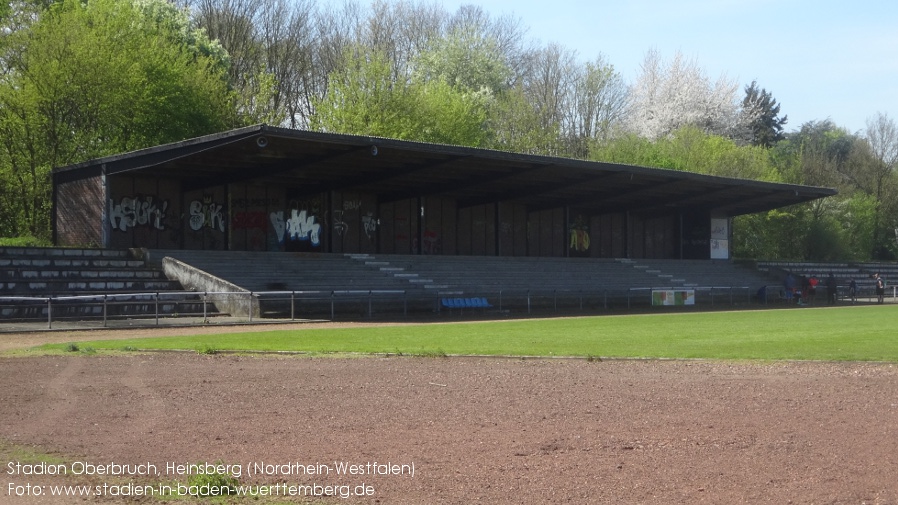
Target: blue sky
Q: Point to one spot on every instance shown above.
(819, 59)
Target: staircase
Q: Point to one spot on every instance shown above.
(83, 283)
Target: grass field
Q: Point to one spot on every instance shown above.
(864, 333)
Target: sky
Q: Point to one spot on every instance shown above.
(819, 59)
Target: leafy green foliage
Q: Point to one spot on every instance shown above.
(689, 149)
(366, 98)
(92, 79)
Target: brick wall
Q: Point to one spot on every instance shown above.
(79, 213)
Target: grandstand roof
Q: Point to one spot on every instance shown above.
(396, 170)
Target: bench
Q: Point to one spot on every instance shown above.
(465, 303)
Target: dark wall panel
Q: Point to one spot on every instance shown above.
(489, 233)
(433, 236)
(386, 232)
(450, 226)
(478, 230)
(465, 232)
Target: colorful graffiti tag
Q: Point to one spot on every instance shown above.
(579, 231)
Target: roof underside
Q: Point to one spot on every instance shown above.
(395, 170)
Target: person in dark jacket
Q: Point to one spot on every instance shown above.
(831, 289)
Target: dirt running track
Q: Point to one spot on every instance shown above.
(494, 431)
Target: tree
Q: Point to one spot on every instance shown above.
(364, 99)
(91, 79)
(467, 60)
(472, 63)
(514, 125)
(598, 104)
(692, 150)
(667, 96)
(766, 126)
(882, 138)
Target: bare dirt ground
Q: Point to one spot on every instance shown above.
(497, 431)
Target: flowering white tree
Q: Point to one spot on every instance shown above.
(668, 95)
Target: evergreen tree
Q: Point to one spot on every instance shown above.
(765, 124)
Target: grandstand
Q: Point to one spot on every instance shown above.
(516, 284)
(265, 221)
(94, 283)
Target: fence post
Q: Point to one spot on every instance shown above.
(500, 300)
(333, 295)
(528, 301)
(369, 304)
(49, 313)
(157, 308)
(104, 310)
(293, 305)
(205, 313)
(250, 297)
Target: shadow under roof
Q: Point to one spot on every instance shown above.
(395, 170)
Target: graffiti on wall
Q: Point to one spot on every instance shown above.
(137, 211)
(248, 220)
(579, 232)
(431, 243)
(301, 226)
(206, 214)
(279, 225)
(370, 224)
(340, 226)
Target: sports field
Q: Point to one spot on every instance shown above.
(857, 333)
(781, 405)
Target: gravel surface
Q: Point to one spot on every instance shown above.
(497, 431)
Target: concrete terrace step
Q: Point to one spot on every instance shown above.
(45, 288)
(61, 251)
(30, 274)
(30, 262)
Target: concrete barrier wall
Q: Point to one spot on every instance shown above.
(237, 302)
